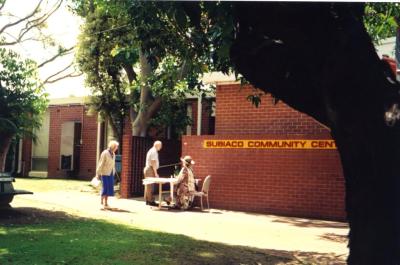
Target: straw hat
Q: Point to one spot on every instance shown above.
(188, 160)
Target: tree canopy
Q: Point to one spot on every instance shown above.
(382, 20)
(22, 96)
(127, 79)
(22, 99)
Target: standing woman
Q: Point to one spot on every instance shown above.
(106, 171)
(185, 184)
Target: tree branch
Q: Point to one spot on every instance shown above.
(154, 107)
(111, 122)
(2, 5)
(36, 10)
(145, 70)
(46, 15)
(30, 24)
(53, 75)
(62, 77)
(65, 52)
(132, 76)
(35, 23)
(15, 40)
(183, 70)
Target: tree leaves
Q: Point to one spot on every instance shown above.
(22, 99)
(380, 20)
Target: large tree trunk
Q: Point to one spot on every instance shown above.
(140, 125)
(5, 142)
(148, 105)
(319, 59)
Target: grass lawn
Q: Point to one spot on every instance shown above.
(32, 235)
(72, 240)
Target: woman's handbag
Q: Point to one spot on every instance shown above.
(95, 182)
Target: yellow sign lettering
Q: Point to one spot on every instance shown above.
(271, 144)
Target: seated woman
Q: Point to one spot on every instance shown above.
(185, 184)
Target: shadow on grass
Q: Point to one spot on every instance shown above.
(28, 215)
(33, 236)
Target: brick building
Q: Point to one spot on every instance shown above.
(280, 180)
(70, 140)
(67, 135)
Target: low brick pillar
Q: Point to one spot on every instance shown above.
(26, 156)
(127, 174)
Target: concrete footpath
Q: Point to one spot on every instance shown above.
(229, 227)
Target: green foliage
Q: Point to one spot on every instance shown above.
(255, 99)
(201, 31)
(380, 20)
(174, 114)
(166, 83)
(22, 100)
(111, 41)
(101, 59)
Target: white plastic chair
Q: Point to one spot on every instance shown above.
(204, 191)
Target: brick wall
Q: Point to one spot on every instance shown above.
(65, 113)
(26, 156)
(298, 182)
(127, 170)
(87, 168)
(236, 115)
(306, 183)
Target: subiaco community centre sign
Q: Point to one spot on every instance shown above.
(271, 144)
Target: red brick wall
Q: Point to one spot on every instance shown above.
(59, 115)
(127, 170)
(303, 182)
(306, 183)
(236, 115)
(87, 168)
(26, 156)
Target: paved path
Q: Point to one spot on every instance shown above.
(235, 228)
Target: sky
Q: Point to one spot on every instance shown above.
(63, 26)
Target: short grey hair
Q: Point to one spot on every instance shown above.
(112, 144)
(157, 143)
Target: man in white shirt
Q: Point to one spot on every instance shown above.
(150, 171)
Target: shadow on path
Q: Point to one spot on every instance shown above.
(300, 222)
(119, 210)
